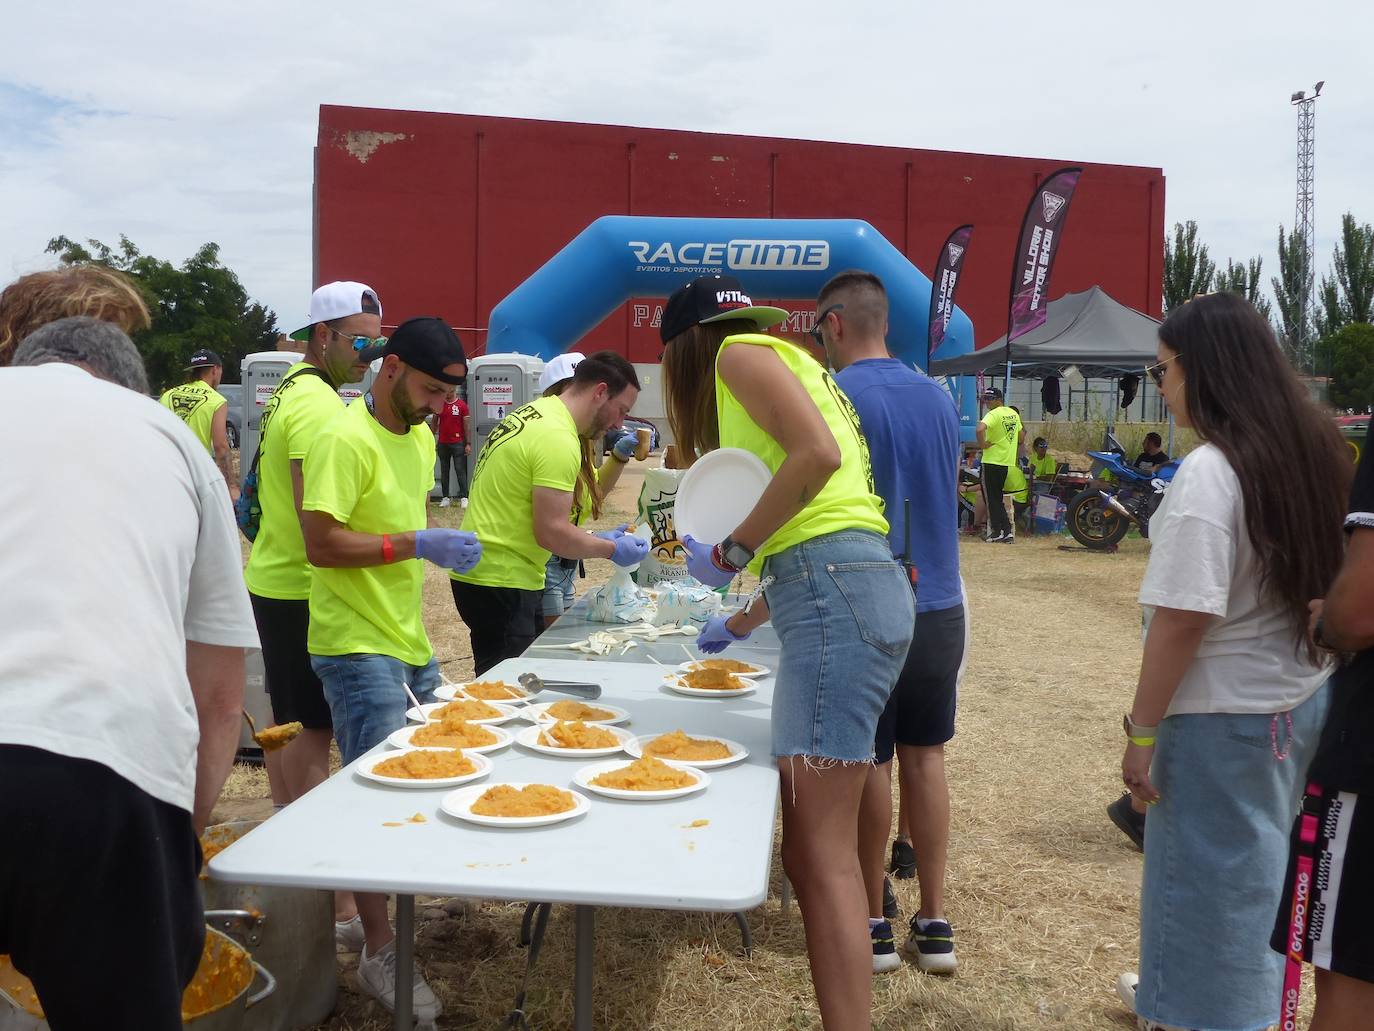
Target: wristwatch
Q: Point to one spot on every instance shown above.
(1134, 730)
(733, 554)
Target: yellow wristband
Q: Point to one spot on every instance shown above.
(1143, 742)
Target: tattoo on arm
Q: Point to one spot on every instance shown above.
(805, 495)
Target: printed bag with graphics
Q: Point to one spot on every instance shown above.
(667, 559)
(248, 507)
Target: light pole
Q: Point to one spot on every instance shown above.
(1302, 218)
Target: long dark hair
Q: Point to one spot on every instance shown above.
(1293, 467)
(689, 385)
(587, 491)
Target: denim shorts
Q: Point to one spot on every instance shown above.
(366, 698)
(844, 612)
(1216, 845)
(558, 587)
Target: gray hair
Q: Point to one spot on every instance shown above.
(100, 346)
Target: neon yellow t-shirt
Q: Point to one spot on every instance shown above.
(195, 404)
(302, 406)
(1016, 485)
(1004, 431)
(848, 500)
(537, 445)
(1044, 468)
(373, 481)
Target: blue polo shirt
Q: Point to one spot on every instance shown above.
(912, 428)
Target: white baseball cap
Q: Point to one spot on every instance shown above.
(558, 369)
(338, 301)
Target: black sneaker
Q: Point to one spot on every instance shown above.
(885, 956)
(903, 862)
(890, 909)
(1130, 822)
(932, 948)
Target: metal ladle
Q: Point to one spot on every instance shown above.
(534, 684)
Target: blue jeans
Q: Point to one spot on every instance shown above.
(844, 614)
(366, 699)
(559, 591)
(1216, 847)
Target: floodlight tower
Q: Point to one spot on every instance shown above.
(1302, 217)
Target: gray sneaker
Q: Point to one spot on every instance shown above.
(377, 977)
(349, 935)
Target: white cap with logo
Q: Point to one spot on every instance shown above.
(338, 301)
(559, 368)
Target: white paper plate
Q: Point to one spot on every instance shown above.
(401, 739)
(449, 692)
(459, 804)
(365, 769)
(757, 672)
(635, 747)
(583, 779)
(717, 492)
(423, 713)
(529, 737)
(676, 684)
(538, 712)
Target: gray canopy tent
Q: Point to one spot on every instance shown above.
(1100, 336)
(1103, 337)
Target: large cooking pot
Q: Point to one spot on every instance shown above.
(290, 931)
(19, 1010)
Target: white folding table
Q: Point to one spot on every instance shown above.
(623, 854)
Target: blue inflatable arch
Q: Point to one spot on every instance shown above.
(622, 256)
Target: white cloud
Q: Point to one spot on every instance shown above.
(178, 123)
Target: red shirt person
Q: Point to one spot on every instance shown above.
(453, 449)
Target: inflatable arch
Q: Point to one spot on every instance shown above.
(622, 256)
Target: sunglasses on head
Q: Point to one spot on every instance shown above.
(820, 321)
(1156, 372)
(359, 341)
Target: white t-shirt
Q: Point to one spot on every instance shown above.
(119, 544)
(1202, 560)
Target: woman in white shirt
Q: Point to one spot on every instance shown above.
(1231, 698)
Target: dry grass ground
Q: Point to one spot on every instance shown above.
(1042, 888)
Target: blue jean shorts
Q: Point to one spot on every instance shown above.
(843, 611)
(558, 587)
(1216, 846)
(366, 698)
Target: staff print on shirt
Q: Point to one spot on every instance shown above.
(507, 429)
(852, 415)
(184, 403)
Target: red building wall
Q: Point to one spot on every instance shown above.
(445, 214)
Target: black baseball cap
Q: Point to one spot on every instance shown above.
(991, 394)
(204, 359)
(1041, 442)
(713, 299)
(425, 343)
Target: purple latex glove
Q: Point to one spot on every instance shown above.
(629, 550)
(457, 550)
(702, 566)
(715, 636)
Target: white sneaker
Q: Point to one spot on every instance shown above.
(349, 935)
(377, 977)
(445, 503)
(462, 502)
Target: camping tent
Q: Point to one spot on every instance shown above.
(1103, 337)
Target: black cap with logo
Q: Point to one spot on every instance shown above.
(991, 394)
(204, 359)
(713, 299)
(425, 343)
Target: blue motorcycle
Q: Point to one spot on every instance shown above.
(1100, 518)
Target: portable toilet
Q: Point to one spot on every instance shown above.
(496, 384)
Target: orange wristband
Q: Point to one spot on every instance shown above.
(388, 552)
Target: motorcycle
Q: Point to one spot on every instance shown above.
(1101, 518)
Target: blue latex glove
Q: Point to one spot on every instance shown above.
(457, 550)
(702, 566)
(629, 550)
(715, 636)
(625, 447)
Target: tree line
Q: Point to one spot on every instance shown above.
(199, 303)
(1334, 336)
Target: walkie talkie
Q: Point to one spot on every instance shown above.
(912, 574)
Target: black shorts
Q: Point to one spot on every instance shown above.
(296, 693)
(502, 621)
(921, 709)
(1334, 929)
(80, 840)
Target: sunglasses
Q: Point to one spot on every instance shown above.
(1156, 372)
(359, 341)
(820, 321)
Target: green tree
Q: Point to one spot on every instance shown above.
(199, 303)
(1245, 280)
(1188, 271)
(1290, 295)
(1347, 356)
(1347, 295)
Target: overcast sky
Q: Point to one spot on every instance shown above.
(176, 126)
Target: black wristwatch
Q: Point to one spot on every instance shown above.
(735, 553)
